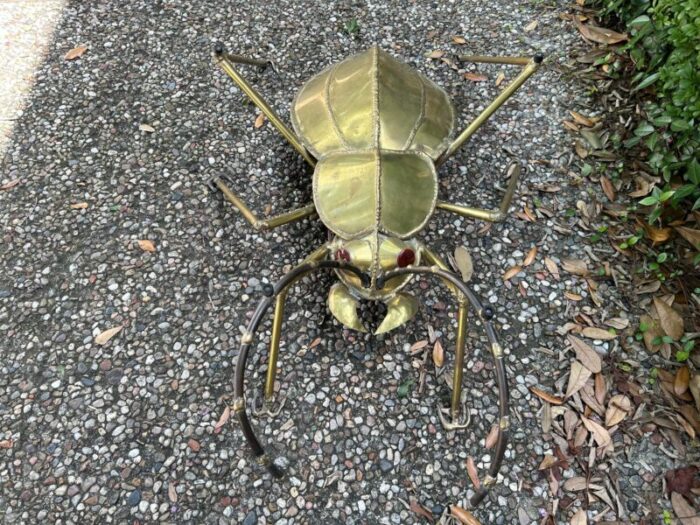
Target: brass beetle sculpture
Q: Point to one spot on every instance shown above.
(374, 130)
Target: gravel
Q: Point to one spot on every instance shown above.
(107, 433)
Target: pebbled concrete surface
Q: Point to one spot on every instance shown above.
(125, 432)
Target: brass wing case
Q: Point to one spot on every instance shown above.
(376, 126)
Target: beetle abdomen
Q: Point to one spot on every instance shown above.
(364, 191)
(371, 100)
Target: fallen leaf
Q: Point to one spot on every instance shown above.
(464, 516)
(573, 296)
(147, 128)
(584, 121)
(653, 330)
(579, 518)
(500, 78)
(9, 185)
(599, 388)
(577, 378)
(438, 354)
(575, 266)
(225, 415)
(608, 188)
(194, 445)
(512, 272)
(492, 437)
(600, 35)
(546, 396)
(683, 510)
(682, 480)
(657, 235)
(259, 121)
(581, 149)
(570, 126)
(172, 493)
(459, 40)
(530, 257)
(670, 320)
(475, 77)
(586, 354)
(6, 443)
(682, 381)
(547, 462)
(694, 386)
(435, 54)
(597, 333)
(104, 337)
(531, 26)
(76, 52)
(418, 345)
(473, 473)
(600, 435)
(420, 510)
(79, 205)
(575, 484)
(464, 263)
(689, 234)
(618, 323)
(552, 267)
(619, 407)
(146, 245)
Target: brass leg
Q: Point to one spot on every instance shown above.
(252, 218)
(489, 215)
(455, 410)
(226, 61)
(530, 67)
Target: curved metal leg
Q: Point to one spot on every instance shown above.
(459, 414)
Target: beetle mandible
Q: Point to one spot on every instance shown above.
(374, 130)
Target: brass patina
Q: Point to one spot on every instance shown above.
(374, 130)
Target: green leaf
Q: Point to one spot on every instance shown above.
(647, 81)
(666, 195)
(404, 388)
(640, 20)
(680, 125)
(644, 129)
(648, 201)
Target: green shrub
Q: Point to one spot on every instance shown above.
(665, 49)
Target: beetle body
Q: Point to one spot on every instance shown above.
(376, 127)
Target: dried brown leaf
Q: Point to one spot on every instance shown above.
(600, 34)
(531, 26)
(530, 257)
(438, 354)
(9, 185)
(552, 267)
(546, 396)
(599, 386)
(464, 516)
(492, 437)
(223, 419)
(104, 337)
(694, 386)
(577, 378)
(670, 320)
(618, 409)
(597, 333)
(600, 435)
(575, 266)
(172, 493)
(259, 121)
(436, 54)
(573, 296)
(547, 462)
(194, 445)
(146, 245)
(582, 120)
(420, 510)
(500, 78)
(608, 188)
(690, 235)
(473, 472)
(418, 345)
(570, 126)
(476, 77)
(683, 510)
(618, 323)
(575, 484)
(586, 354)
(147, 128)
(79, 205)
(464, 264)
(682, 381)
(459, 40)
(75, 53)
(579, 518)
(6, 443)
(512, 272)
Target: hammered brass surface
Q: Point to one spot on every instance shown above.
(401, 308)
(381, 191)
(343, 306)
(372, 100)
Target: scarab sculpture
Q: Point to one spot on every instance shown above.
(375, 131)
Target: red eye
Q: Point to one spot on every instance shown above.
(342, 255)
(406, 257)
